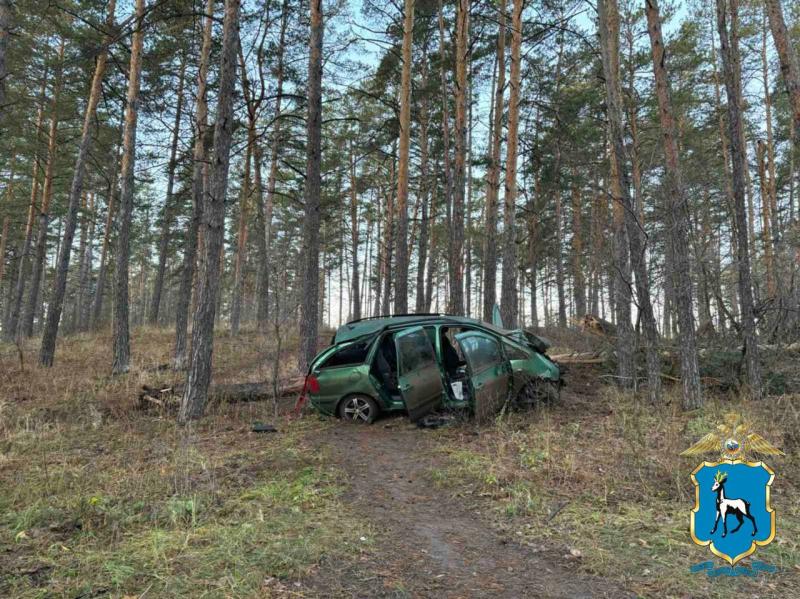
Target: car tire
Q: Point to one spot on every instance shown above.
(536, 393)
(359, 409)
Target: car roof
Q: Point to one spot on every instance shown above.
(361, 328)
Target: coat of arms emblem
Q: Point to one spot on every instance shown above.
(732, 514)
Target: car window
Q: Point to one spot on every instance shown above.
(414, 351)
(481, 352)
(514, 353)
(350, 355)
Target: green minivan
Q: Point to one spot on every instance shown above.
(417, 363)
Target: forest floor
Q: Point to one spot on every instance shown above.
(584, 498)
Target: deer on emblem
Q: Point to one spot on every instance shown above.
(738, 507)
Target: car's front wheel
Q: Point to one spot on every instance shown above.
(360, 409)
(535, 393)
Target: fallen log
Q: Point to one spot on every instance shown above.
(578, 358)
(166, 396)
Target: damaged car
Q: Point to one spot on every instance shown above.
(422, 362)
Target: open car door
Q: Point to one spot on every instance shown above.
(419, 377)
(489, 372)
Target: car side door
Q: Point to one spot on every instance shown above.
(489, 372)
(419, 376)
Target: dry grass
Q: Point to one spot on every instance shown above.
(99, 497)
(601, 473)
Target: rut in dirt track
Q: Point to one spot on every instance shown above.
(428, 543)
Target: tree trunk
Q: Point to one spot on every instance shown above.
(508, 286)
(3, 240)
(355, 286)
(388, 231)
(195, 394)
(167, 215)
(263, 306)
(424, 187)
(198, 197)
(11, 324)
(82, 320)
(401, 239)
(578, 283)
(462, 50)
(47, 196)
(732, 75)
(678, 216)
(5, 33)
(100, 285)
(766, 219)
(309, 312)
(790, 66)
(609, 44)
(122, 344)
(609, 31)
(48, 348)
(771, 187)
(72, 323)
(493, 173)
(433, 256)
(241, 245)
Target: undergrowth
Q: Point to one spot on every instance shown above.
(101, 498)
(600, 476)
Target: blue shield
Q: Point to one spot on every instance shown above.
(732, 513)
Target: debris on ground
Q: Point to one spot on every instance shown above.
(436, 420)
(168, 396)
(260, 427)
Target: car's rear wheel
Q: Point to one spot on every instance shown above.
(360, 409)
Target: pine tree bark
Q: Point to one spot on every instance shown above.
(578, 282)
(190, 252)
(72, 323)
(4, 231)
(242, 234)
(3, 240)
(269, 201)
(82, 318)
(309, 309)
(56, 304)
(508, 285)
(728, 16)
(11, 323)
(771, 186)
(121, 328)
(456, 246)
(47, 197)
(766, 219)
(787, 55)
(609, 36)
(388, 242)
(5, 33)
(199, 377)
(424, 187)
(102, 269)
(401, 239)
(556, 192)
(355, 281)
(493, 172)
(678, 216)
(169, 209)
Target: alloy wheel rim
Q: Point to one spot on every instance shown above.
(357, 409)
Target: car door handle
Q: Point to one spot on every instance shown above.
(406, 387)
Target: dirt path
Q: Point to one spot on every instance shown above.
(428, 543)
